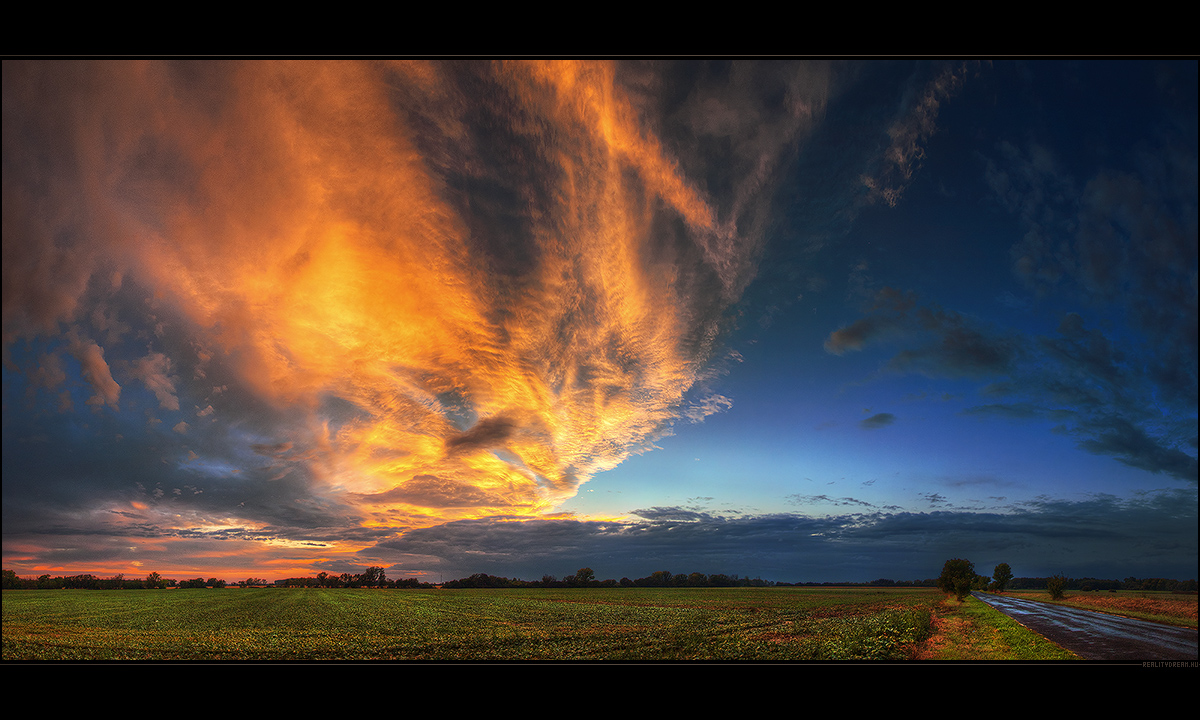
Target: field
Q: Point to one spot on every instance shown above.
(724, 624)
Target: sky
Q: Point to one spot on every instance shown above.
(808, 320)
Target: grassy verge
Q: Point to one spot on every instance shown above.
(973, 630)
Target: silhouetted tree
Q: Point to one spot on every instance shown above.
(372, 577)
(658, 578)
(956, 578)
(1001, 576)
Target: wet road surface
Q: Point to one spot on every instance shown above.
(1098, 636)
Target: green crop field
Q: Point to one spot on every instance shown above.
(777, 624)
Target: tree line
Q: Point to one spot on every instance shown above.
(586, 578)
(372, 577)
(85, 582)
(959, 578)
(957, 574)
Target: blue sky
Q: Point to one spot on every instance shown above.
(807, 320)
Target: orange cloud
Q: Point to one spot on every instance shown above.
(327, 230)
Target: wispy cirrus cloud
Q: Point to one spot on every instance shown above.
(439, 290)
(1077, 377)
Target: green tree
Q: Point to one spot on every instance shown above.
(584, 577)
(956, 578)
(1001, 577)
(1056, 585)
(154, 581)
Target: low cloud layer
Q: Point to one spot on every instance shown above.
(1100, 536)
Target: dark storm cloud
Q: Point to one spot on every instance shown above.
(1102, 536)
(132, 472)
(559, 547)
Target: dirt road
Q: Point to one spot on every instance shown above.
(1098, 636)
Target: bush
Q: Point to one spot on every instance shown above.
(1056, 585)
